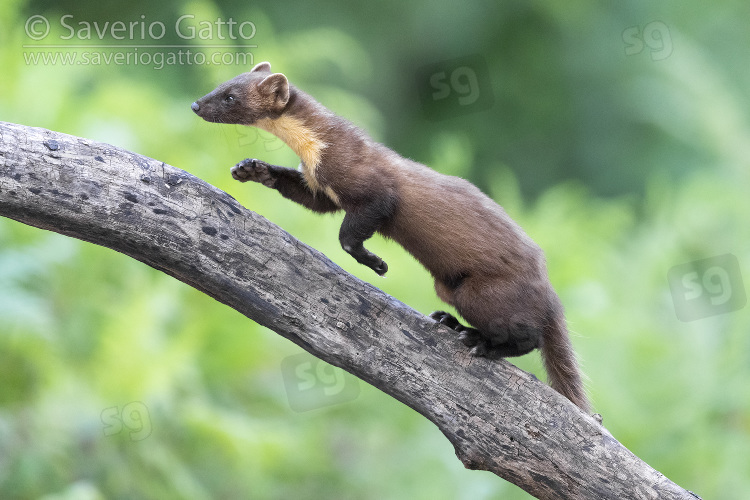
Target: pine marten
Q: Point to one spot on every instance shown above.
(482, 262)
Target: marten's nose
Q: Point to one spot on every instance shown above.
(195, 107)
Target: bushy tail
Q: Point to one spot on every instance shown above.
(561, 364)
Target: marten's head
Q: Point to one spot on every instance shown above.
(246, 98)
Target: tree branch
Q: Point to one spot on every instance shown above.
(498, 417)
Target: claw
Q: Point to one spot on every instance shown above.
(480, 350)
(469, 338)
(448, 320)
(436, 315)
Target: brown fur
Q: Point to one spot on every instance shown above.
(483, 263)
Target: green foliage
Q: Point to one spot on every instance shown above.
(116, 381)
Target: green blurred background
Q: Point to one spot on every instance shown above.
(616, 133)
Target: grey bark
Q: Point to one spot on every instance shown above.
(498, 417)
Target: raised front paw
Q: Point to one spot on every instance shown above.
(381, 268)
(254, 170)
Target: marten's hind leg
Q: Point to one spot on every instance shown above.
(470, 337)
(502, 340)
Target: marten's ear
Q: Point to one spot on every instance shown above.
(264, 66)
(276, 87)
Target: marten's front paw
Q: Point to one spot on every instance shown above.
(381, 268)
(254, 170)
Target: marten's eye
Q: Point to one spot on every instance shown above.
(229, 99)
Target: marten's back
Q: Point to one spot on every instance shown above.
(444, 220)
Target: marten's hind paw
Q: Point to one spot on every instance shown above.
(254, 170)
(448, 320)
(479, 350)
(470, 337)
